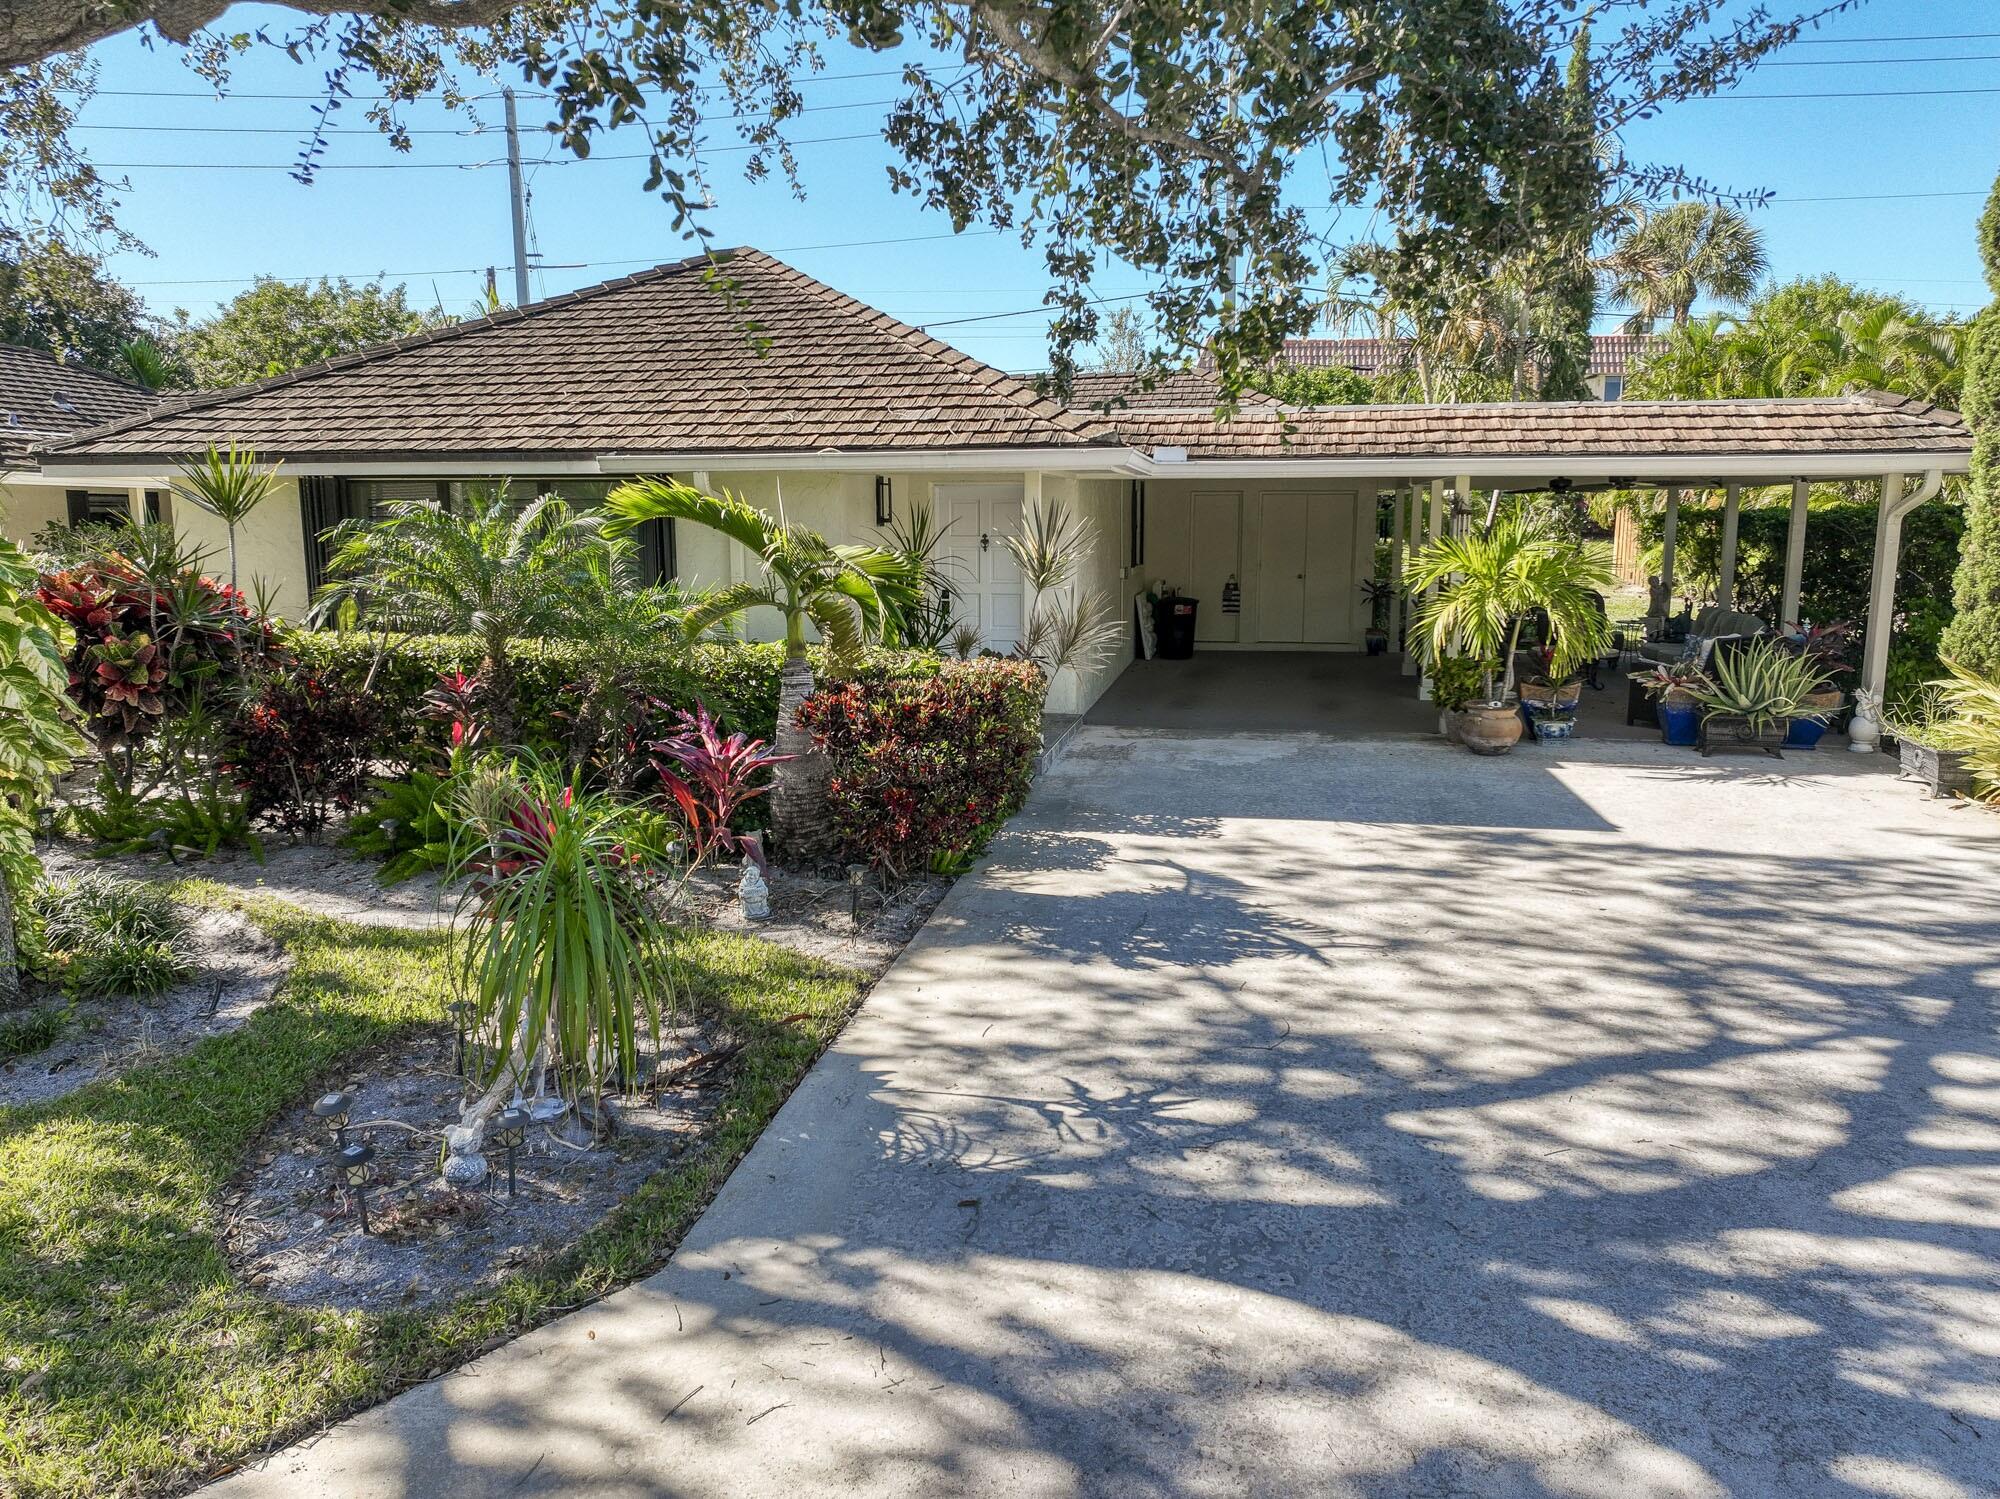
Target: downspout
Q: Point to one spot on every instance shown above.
(1865, 731)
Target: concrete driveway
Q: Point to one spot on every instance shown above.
(1290, 1116)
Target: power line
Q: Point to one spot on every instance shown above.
(452, 166)
(643, 260)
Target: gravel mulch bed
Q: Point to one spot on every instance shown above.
(237, 971)
(290, 1222)
(810, 914)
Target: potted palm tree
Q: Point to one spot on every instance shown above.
(847, 594)
(1486, 585)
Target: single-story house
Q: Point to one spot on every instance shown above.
(43, 400)
(837, 416)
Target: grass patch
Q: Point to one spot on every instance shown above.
(132, 1360)
(25, 1031)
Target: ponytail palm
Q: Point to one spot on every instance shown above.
(1488, 583)
(845, 592)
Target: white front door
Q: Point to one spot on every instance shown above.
(983, 574)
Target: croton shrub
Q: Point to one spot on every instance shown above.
(924, 769)
(298, 748)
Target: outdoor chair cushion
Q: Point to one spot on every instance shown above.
(1711, 623)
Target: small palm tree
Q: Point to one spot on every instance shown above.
(228, 483)
(1489, 582)
(1661, 265)
(845, 592)
(477, 565)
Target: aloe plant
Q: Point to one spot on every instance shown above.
(1760, 684)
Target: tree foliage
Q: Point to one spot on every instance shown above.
(1174, 138)
(1972, 640)
(276, 326)
(1667, 260)
(1812, 337)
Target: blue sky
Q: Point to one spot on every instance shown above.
(1879, 138)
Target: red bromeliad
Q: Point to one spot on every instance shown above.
(710, 777)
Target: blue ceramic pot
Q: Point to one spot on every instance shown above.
(1804, 733)
(1680, 723)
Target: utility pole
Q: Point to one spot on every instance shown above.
(518, 200)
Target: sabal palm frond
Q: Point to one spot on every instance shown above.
(1691, 250)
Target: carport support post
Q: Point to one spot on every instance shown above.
(1395, 617)
(1670, 530)
(1795, 557)
(1414, 502)
(1865, 730)
(1725, 583)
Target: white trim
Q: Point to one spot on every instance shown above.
(1640, 470)
(1100, 462)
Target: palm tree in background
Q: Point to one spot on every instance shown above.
(475, 565)
(846, 593)
(1661, 266)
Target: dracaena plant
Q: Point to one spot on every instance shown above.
(565, 952)
(711, 776)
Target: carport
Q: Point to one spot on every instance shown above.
(1268, 517)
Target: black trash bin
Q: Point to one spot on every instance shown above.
(1173, 624)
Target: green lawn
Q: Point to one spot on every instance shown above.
(131, 1360)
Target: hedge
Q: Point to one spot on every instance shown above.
(923, 770)
(738, 682)
(1840, 550)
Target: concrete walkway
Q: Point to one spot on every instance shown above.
(1282, 1117)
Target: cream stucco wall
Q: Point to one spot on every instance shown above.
(26, 507)
(841, 507)
(270, 547)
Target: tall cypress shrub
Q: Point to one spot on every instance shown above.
(1973, 637)
(1569, 294)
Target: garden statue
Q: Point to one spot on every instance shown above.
(1659, 602)
(1864, 730)
(753, 894)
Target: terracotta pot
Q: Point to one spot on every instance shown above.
(1827, 703)
(1489, 728)
(1448, 725)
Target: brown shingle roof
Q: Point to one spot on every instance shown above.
(1108, 393)
(1870, 422)
(1610, 353)
(42, 398)
(650, 363)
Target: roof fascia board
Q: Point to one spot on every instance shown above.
(76, 469)
(1102, 460)
(1764, 468)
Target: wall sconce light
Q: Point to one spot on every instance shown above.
(884, 501)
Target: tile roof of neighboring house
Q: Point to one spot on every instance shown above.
(1610, 353)
(1870, 422)
(1107, 393)
(41, 398)
(651, 363)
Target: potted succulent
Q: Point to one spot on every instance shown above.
(1672, 684)
(1752, 697)
(1380, 594)
(1455, 682)
(1828, 648)
(1486, 585)
(1931, 744)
